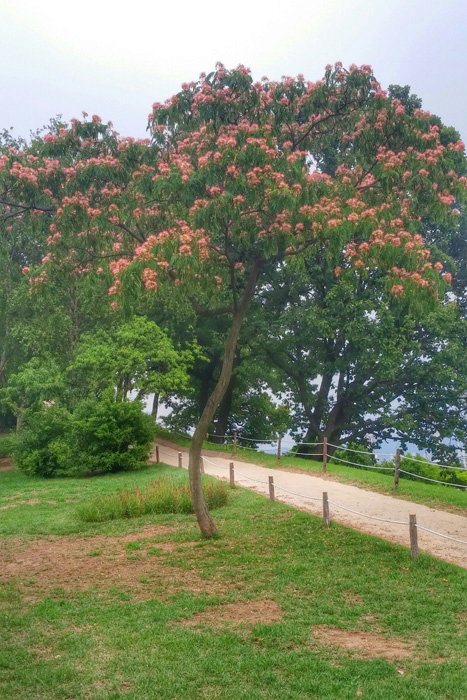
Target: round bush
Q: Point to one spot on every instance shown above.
(41, 447)
(110, 436)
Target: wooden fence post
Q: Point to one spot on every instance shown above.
(397, 464)
(279, 448)
(271, 489)
(232, 475)
(325, 508)
(201, 465)
(179, 459)
(325, 454)
(235, 444)
(413, 536)
(157, 454)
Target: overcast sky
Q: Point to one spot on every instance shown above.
(116, 58)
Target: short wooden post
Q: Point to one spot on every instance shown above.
(325, 454)
(201, 465)
(235, 444)
(413, 536)
(157, 454)
(397, 464)
(232, 475)
(271, 489)
(179, 459)
(279, 448)
(325, 508)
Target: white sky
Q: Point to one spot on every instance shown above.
(116, 58)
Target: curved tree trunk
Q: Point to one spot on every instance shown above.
(205, 522)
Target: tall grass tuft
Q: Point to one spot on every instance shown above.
(162, 495)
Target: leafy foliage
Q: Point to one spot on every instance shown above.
(426, 468)
(42, 446)
(355, 455)
(99, 436)
(136, 356)
(110, 436)
(37, 381)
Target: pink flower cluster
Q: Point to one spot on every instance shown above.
(51, 240)
(397, 290)
(149, 278)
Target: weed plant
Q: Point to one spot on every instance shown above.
(159, 496)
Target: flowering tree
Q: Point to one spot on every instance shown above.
(232, 188)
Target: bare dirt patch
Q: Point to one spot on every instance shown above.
(252, 613)
(366, 645)
(103, 563)
(5, 464)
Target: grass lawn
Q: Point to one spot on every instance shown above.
(434, 495)
(277, 607)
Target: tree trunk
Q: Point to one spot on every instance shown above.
(316, 452)
(155, 406)
(19, 418)
(223, 413)
(205, 522)
(3, 362)
(207, 382)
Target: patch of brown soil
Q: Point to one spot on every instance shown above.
(5, 464)
(366, 645)
(103, 563)
(253, 612)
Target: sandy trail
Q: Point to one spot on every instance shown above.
(373, 504)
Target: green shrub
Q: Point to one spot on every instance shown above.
(41, 447)
(6, 445)
(110, 436)
(162, 495)
(423, 467)
(100, 436)
(360, 458)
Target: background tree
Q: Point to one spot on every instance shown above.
(37, 381)
(359, 364)
(135, 358)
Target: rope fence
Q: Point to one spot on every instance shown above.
(435, 481)
(440, 466)
(327, 457)
(362, 466)
(412, 524)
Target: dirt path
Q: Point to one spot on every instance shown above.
(372, 504)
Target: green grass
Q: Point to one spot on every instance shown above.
(163, 495)
(434, 495)
(109, 640)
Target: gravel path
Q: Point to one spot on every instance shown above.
(372, 504)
